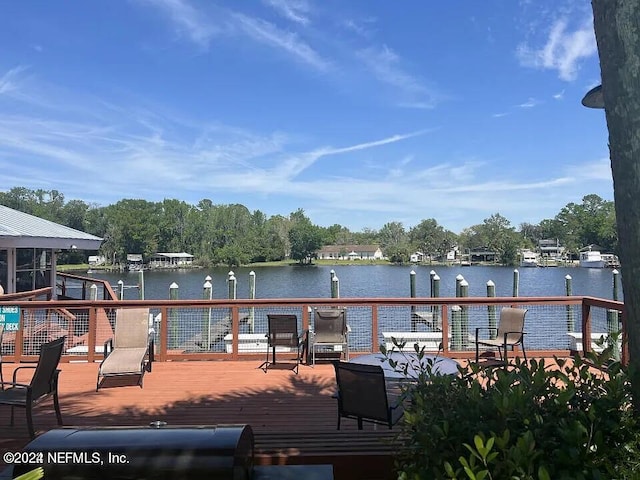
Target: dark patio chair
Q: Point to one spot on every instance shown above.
(510, 333)
(282, 332)
(1, 333)
(329, 330)
(44, 384)
(363, 395)
(130, 352)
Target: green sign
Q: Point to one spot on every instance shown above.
(10, 318)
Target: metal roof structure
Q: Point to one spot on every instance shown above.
(21, 230)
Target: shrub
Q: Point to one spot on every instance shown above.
(539, 421)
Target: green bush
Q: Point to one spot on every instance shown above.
(555, 420)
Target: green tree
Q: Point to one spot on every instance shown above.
(617, 29)
(305, 238)
(496, 234)
(173, 217)
(591, 222)
(431, 238)
(133, 227)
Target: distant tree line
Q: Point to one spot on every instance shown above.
(220, 234)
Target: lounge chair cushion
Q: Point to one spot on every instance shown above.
(121, 360)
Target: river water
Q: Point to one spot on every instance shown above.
(367, 281)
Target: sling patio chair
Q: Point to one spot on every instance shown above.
(130, 352)
(43, 384)
(510, 333)
(282, 332)
(330, 329)
(1, 333)
(363, 395)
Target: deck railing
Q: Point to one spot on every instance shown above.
(235, 329)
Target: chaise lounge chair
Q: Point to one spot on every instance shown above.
(130, 352)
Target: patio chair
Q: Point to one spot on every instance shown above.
(130, 352)
(43, 384)
(363, 395)
(330, 329)
(510, 333)
(283, 332)
(1, 333)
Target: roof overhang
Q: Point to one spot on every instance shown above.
(21, 230)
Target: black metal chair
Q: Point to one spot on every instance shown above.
(329, 330)
(363, 395)
(44, 384)
(283, 332)
(510, 333)
(1, 333)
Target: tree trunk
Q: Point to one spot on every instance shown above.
(617, 28)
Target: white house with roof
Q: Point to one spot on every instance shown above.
(350, 252)
(28, 247)
(171, 260)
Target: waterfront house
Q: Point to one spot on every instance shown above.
(551, 248)
(416, 257)
(350, 252)
(171, 260)
(95, 260)
(482, 255)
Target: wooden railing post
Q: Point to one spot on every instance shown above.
(305, 317)
(164, 333)
(586, 327)
(374, 329)
(445, 328)
(19, 342)
(93, 327)
(235, 331)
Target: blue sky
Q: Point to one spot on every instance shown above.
(359, 112)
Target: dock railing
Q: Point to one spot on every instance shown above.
(219, 329)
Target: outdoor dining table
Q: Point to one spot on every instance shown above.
(439, 365)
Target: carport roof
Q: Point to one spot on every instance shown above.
(21, 230)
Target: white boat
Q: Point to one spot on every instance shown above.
(529, 259)
(591, 259)
(610, 260)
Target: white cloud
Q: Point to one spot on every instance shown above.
(532, 102)
(187, 20)
(9, 81)
(295, 10)
(559, 95)
(269, 34)
(384, 63)
(563, 51)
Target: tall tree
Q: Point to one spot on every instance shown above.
(305, 237)
(617, 28)
(431, 238)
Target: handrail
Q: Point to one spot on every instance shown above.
(107, 288)
(266, 302)
(40, 292)
(169, 311)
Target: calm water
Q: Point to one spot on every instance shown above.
(368, 281)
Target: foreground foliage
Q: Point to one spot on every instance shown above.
(539, 421)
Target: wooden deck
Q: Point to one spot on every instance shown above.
(293, 416)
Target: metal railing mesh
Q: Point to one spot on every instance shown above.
(204, 330)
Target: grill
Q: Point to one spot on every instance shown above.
(157, 452)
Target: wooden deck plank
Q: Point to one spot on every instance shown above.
(293, 416)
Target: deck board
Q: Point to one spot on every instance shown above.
(279, 405)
